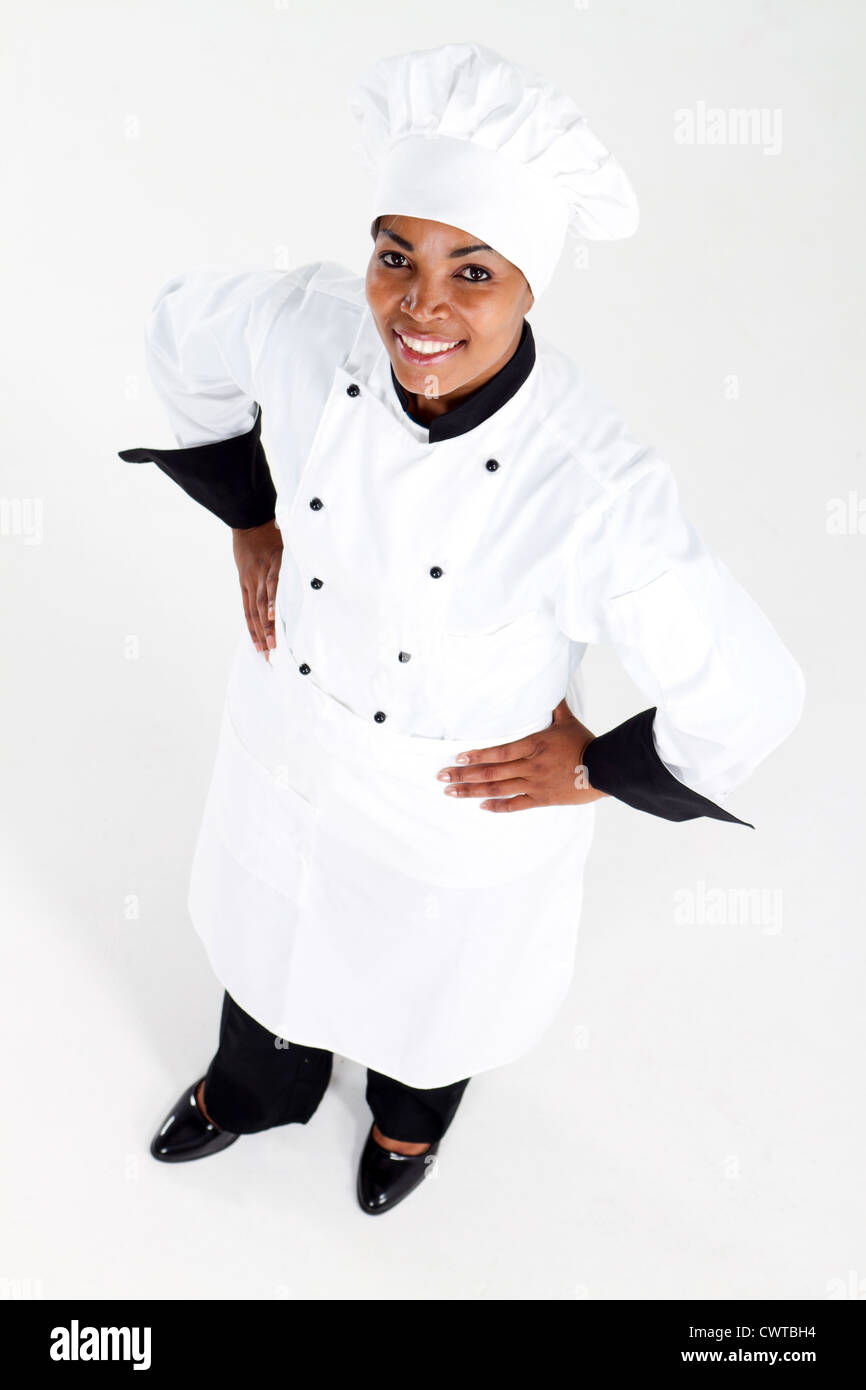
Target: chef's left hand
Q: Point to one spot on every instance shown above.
(541, 769)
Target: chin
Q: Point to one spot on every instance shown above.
(418, 386)
(415, 379)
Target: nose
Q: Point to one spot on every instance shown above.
(426, 302)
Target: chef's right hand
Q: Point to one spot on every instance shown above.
(258, 554)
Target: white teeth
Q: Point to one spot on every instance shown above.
(426, 345)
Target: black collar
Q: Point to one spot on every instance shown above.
(485, 401)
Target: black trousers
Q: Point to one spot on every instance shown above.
(257, 1080)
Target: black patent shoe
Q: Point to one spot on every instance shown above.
(385, 1178)
(186, 1133)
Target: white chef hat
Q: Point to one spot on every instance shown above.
(459, 134)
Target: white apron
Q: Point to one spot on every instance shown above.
(346, 902)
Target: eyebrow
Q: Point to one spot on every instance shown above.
(452, 255)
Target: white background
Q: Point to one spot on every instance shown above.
(691, 1125)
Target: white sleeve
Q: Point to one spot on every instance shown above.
(725, 688)
(203, 338)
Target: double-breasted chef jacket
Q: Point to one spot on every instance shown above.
(439, 586)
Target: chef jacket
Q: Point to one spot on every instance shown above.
(439, 585)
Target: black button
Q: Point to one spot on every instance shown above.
(353, 390)
(316, 503)
(304, 669)
(403, 656)
(436, 572)
(491, 465)
(316, 583)
(379, 716)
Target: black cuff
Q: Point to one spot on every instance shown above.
(230, 478)
(625, 764)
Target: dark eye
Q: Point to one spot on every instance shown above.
(392, 253)
(485, 274)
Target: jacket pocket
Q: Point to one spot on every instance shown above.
(530, 632)
(496, 668)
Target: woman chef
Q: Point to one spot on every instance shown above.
(453, 515)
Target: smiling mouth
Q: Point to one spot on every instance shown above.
(426, 351)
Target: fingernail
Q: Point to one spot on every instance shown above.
(444, 776)
(450, 791)
(461, 758)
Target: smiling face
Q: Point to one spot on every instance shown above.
(448, 308)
